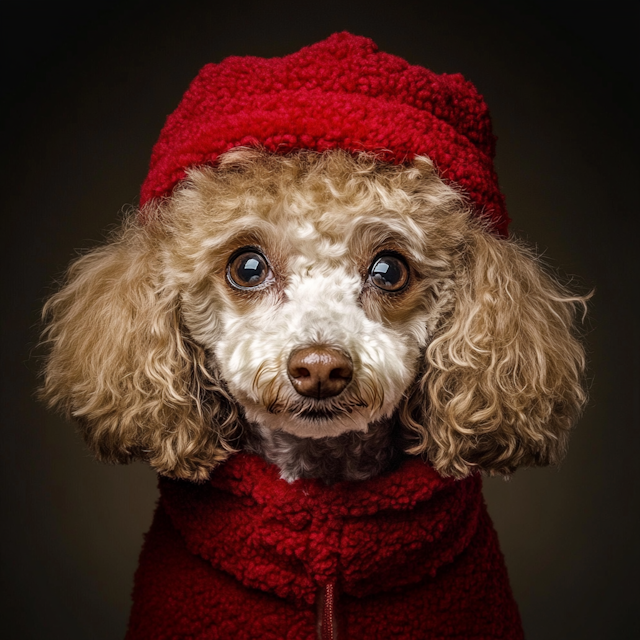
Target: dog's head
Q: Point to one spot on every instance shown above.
(314, 294)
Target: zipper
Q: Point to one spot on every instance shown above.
(327, 623)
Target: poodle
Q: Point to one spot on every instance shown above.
(338, 317)
(326, 311)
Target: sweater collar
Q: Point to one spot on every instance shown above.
(292, 538)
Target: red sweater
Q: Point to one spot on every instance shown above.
(249, 556)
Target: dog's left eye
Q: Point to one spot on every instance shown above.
(389, 273)
(248, 269)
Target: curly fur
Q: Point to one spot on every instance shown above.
(502, 378)
(158, 358)
(122, 365)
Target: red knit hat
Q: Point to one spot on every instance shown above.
(339, 93)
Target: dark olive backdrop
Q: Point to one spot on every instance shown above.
(86, 91)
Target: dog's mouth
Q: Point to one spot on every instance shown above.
(311, 417)
(323, 412)
(281, 408)
(318, 415)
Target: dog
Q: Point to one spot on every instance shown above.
(323, 327)
(340, 319)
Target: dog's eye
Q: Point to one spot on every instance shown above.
(248, 269)
(389, 273)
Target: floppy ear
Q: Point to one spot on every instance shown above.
(121, 363)
(502, 379)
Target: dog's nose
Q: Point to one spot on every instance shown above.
(319, 372)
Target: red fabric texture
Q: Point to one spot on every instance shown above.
(339, 93)
(409, 555)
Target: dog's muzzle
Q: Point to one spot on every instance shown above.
(319, 372)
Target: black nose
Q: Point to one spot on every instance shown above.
(319, 372)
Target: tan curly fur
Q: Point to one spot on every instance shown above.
(133, 333)
(122, 365)
(502, 379)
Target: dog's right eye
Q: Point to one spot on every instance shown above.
(248, 270)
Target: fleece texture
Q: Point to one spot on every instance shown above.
(339, 93)
(408, 555)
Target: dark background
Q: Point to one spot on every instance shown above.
(86, 89)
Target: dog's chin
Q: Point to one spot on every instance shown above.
(312, 423)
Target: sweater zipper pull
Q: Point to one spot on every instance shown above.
(327, 624)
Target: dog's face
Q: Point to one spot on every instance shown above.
(294, 341)
(314, 295)
(319, 298)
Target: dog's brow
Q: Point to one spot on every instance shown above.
(368, 239)
(249, 238)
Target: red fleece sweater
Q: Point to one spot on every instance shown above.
(249, 556)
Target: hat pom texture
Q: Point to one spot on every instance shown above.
(339, 93)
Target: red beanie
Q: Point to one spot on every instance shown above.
(339, 93)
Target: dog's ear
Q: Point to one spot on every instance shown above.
(502, 382)
(121, 364)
